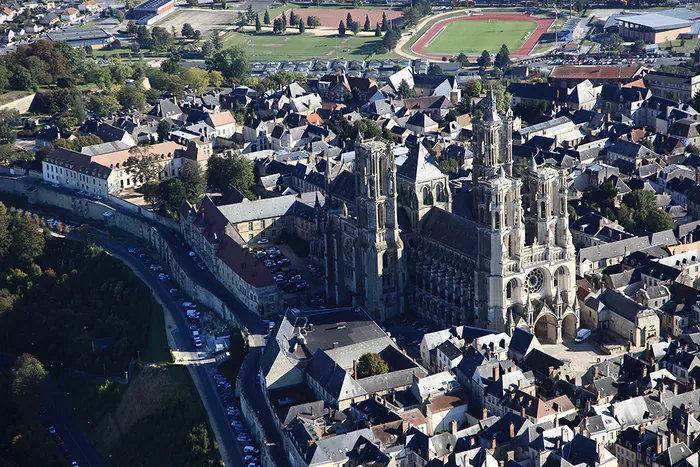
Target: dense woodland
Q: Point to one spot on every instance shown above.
(56, 296)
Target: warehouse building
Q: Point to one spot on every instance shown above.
(94, 37)
(657, 27)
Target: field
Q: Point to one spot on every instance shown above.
(291, 46)
(204, 21)
(472, 37)
(331, 17)
(475, 33)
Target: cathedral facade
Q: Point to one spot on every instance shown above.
(392, 244)
(525, 274)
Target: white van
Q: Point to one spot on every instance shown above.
(582, 335)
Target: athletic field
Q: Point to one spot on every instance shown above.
(472, 34)
(472, 37)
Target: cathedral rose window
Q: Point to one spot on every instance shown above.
(534, 281)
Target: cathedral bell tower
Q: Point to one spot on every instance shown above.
(526, 268)
(380, 288)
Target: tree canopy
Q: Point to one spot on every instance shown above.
(371, 364)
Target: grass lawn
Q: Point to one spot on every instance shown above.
(11, 96)
(474, 36)
(292, 46)
(157, 350)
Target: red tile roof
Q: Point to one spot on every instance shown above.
(595, 72)
(233, 253)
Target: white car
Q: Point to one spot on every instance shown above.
(263, 241)
(582, 335)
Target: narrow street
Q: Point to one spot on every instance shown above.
(201, 373)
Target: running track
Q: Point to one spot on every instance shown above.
(543, 24)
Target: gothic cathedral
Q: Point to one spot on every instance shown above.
(511, 266)
(525, 276)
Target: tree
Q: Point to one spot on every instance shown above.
(144, 165)
(121, 16)
(367, 25)
(377, 31)
(258, 26)
(150, 193)
(385, 23)
(293, 18)
(9, 119)
(27, 241)
(232, 63)
(216, 79)
(196, 78)
(391, 39)
(349, 20)
(131, 28)
(639, 47)
(341, 28)
(194, 181)
(302, 26)
(613, 43)
(355, 27)
(29, 374)
(313, 21)
(104, 105)
(434, 69)
(640, 200)
(230, 171)
(368, 128)
(172, 65)
(502, 60)
(463, 59)
(266, 18)
(473, 87)
(450, 165)
(171, 196)
(484, 60)
(216, 43)
(164, 128)
(659, 221)
(132, 97)
(371, 364)
(187, 30)
(405, 91)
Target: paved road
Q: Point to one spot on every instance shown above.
(201, 373)
(255, 326)
(60, 415)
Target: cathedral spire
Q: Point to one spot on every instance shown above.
(491, 115)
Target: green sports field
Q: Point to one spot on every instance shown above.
(294, 46)
(475, 36)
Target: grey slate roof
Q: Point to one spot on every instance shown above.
(333, 378)
(451, 231)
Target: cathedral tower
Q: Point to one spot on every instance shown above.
(525, 248)
(381, 248)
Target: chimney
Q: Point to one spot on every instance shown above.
(692, 384)
(453, 426)
(595, 373)
(512, 430)
(612, 409)
(522, 411)
(645, 371)
(354, 369)
(642, 430)
(658, 444)
(588, 406)
(510, 456)
(493, 443)
(662, 388)
(496, 372)
(484, 413)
